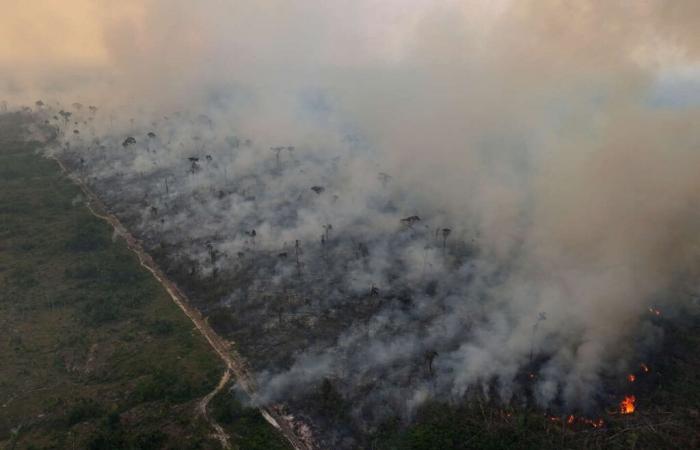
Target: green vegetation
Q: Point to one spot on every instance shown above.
(93, 354)
(245, 425)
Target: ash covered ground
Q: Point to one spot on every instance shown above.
(354, 299)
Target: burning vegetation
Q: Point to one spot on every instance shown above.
(415, 217)
(627, 405)
(261, 247)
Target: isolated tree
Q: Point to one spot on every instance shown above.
(318, 189)
(194, 167)
(540, 317)
(213, 257)
(65, 115)
(429, 358)
(130, 140)
(411, 220)
(151, 136)
(445, 233)
(277, 151)
(92, 109)
(167, 187)
(252, 235)
(327, 230)
(39, 104)
(297, 255)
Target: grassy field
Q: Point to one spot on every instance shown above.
(93, 353)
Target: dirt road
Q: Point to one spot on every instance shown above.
(297, 433)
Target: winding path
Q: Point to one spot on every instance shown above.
(297, 433)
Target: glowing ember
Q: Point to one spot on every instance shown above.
(572, 420)
(631, 378)
(627, 405)
(654, 311)
(644, 367)
(597, 423)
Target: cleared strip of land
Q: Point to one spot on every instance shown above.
(95, 355)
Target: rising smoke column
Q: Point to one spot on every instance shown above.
(527, 128)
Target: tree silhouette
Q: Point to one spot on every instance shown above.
(327, 230)
(429, 358)
(252, 235)
(277, 151)
(445, 233)
(65, 115)
(540, 317)
(194, 167)
(297, 254)
(411, 220)
(130, 140)
(151, 136)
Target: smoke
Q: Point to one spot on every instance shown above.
(532, 130)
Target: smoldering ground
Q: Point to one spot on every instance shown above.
(557, 201)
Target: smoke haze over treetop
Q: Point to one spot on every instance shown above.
(527, 129)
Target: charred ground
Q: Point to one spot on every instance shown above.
(274, 300)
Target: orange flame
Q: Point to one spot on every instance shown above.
(627, 405)
(631, 378)
(572, 420)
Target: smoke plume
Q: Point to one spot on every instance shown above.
(510, 186)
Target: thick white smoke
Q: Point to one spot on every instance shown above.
(543, 134)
